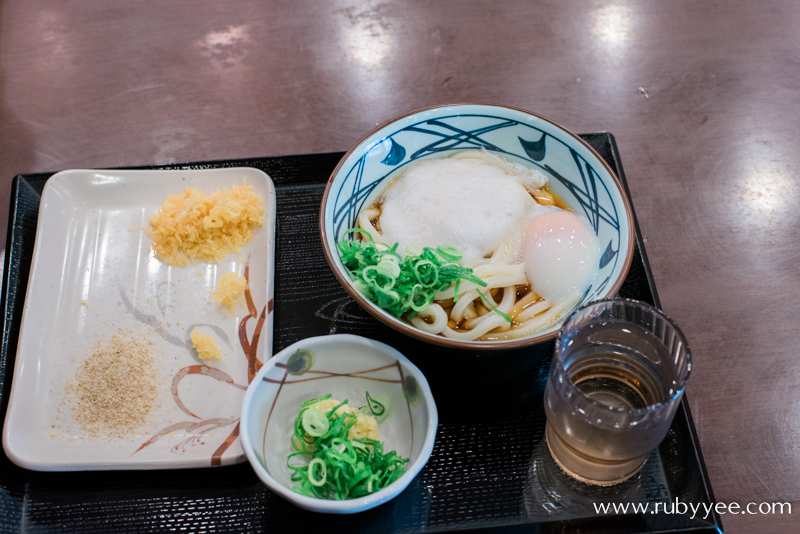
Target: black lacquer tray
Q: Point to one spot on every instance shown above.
(490, 468)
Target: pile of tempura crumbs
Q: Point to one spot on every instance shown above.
(196, 225)
(115, 388)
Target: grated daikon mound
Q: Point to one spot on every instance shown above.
(198, 226)
(464, 203)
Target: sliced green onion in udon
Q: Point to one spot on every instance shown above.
(450, 253)
(493, 307)
(403, 285)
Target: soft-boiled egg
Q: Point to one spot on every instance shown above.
(561, 254)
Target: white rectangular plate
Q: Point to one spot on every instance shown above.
(93, 274)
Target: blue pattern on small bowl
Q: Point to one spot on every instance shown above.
(576, 173)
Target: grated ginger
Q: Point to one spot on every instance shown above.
(195, 225)
(205, 346)
(366, 426)
(229, 290)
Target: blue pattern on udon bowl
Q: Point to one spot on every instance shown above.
(574, 170)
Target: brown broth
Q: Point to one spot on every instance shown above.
(521, 292)
(559, 202)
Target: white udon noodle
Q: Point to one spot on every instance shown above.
(502, 271)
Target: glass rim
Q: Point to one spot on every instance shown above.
(651, 407)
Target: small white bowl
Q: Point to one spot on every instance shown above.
(346, 366)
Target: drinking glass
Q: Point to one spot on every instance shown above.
(618, 373)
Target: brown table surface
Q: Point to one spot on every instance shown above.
(702, 96)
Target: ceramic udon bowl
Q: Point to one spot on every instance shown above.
(576, 173)
(345, 366)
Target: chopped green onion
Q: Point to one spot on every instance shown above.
(375, 406)
(492, 306)
(340, 468)
(314, 422)
(413, 250)
(317, 472)
(450, 253)
(403, 285)
(378, 407)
